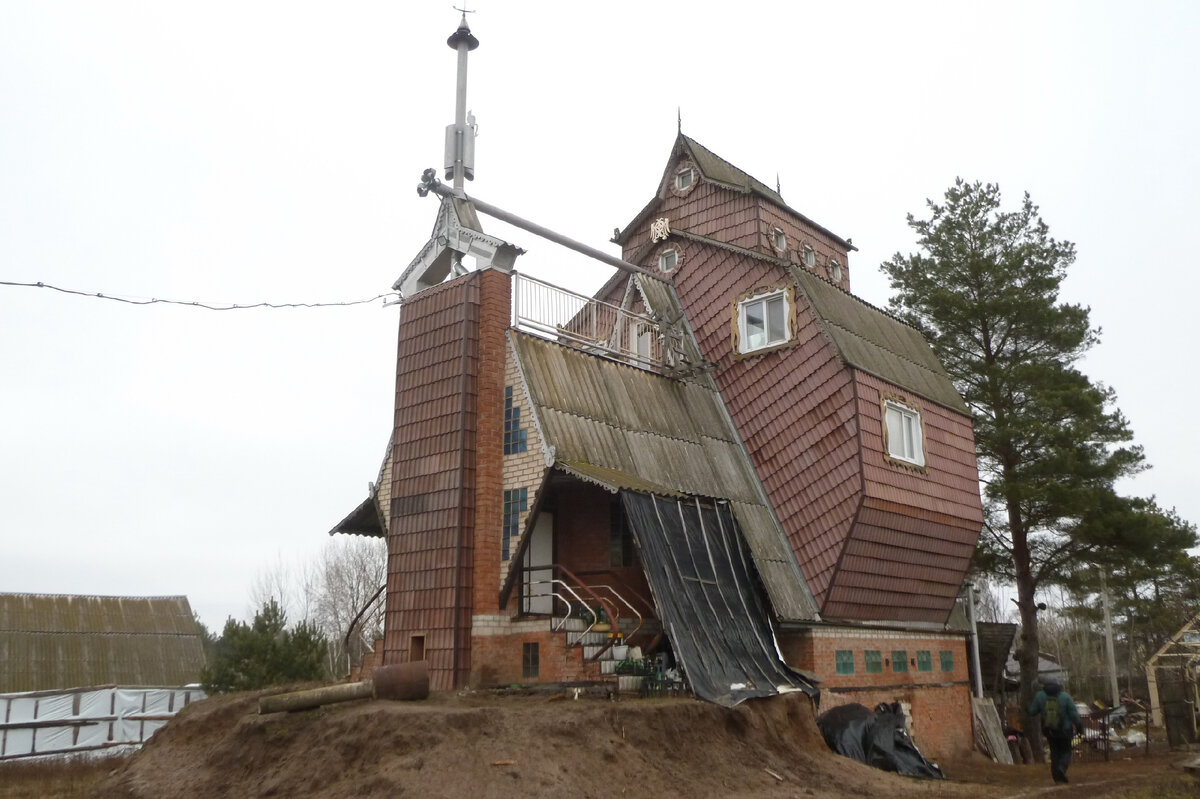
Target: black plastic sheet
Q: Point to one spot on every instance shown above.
(877, 738)
(709, 599)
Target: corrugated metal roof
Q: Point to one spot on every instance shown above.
(869, 339)
(59, 641)
(626, 428)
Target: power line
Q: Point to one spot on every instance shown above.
(205, 306)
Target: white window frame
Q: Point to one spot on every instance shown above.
(673, 255)
(810, 256)
(779, 239)
(903, 434)
(679, 178)
(835, 270)
(744, 340)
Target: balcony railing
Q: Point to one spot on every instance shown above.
(588, 324)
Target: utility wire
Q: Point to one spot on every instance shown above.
(205, 306)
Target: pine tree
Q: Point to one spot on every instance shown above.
(263, 653)
(985, 291)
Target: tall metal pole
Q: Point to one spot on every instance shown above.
(1108, 642)
(974, 641)
(462, 41)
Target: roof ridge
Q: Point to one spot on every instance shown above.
(764, 187)
(157, 634)
(92, 596)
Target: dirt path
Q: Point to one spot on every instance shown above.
(479, 747)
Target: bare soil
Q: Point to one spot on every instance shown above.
(480, 746)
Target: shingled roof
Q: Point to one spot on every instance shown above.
(877, 343)
(716, 169)
(58, 641)
(626, 428)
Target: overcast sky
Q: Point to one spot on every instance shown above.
(234, 152)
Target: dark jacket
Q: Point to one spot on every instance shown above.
(1068, 716)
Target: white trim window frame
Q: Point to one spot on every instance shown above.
(764, 321)
(685, 178)
(668, 259)
(903, 435)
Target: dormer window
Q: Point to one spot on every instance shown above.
(684, 178)
(902, 435)
(763, 321)
(835, 270)
(779, 239)
(810, 257)
(668, 260)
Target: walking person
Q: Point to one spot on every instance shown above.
(1060, 721)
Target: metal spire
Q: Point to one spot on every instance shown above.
(460, 137)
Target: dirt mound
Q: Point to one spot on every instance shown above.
(481, 746)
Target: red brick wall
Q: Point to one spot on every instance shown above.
(498, 658)
(940, 700)
(494, 318)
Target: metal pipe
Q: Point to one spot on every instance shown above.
(974, 641)
(532, 227)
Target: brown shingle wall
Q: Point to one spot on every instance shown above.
(798, 234)
(793, 408)
(428, 574)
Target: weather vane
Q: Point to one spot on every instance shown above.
(463, 10)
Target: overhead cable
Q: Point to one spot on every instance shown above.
(205, 306)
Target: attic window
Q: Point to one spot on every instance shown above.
(835, 270)
(810, 257)
(668, 260)
(902, 433)
(763, 321)
(684, 179)
(779, 239)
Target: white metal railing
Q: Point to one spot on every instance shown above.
(586, 323)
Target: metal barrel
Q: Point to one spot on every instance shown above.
(402, 681)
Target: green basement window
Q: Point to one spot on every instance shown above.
(924, 660)
(899, 661)
(873, 660)
(947, 659)
(844, 659)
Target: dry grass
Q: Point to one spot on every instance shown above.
(62, 778)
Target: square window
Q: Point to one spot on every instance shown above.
(667, 260)
(779, 239)
(763, 321)
(873, 660)
(844, 658)
(947, 657)
(529, 661)
(684, 179)
(899, 661)
(924, 660)
(902, 433)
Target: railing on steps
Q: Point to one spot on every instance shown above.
(371, 609)
(558, 588)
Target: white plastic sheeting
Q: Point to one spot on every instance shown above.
(85, 719)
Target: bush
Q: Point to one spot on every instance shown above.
(264, 653)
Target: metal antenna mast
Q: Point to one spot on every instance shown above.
(460, 137)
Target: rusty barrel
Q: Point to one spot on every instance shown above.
(404, 681)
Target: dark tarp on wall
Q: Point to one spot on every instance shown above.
(877, 738)
(709, 600)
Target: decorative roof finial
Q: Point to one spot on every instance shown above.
(460, 137)
(678, 119)
(777, 191)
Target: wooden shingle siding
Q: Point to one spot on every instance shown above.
(433, 479)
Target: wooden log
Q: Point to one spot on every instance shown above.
(306, 700)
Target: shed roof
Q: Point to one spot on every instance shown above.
(59, 641)
(626, 428)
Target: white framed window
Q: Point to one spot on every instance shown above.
(835, 270)
(810, 256)
(684, 178)
(902, 433)
(668, 260)
(779, 239)
(763, 321)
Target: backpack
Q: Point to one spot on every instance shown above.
(1053, 717)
